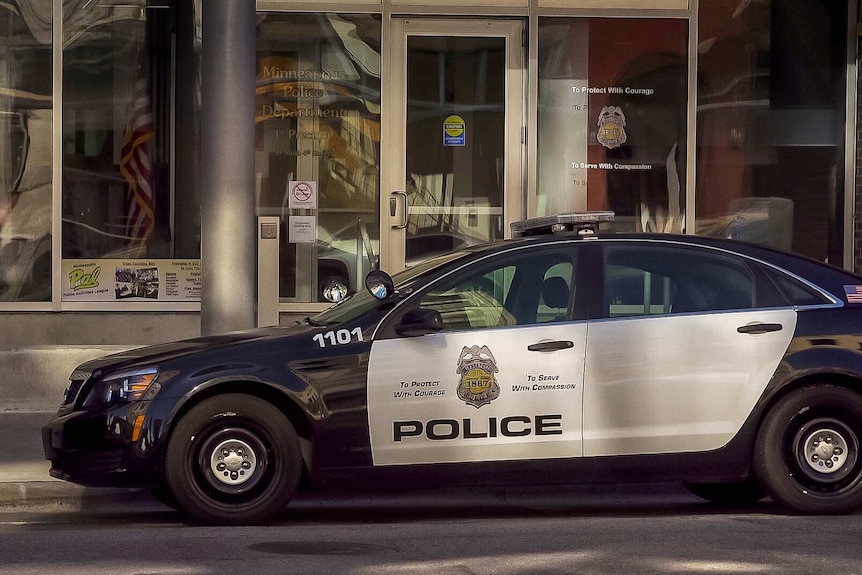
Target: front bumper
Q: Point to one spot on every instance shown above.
(95, 447)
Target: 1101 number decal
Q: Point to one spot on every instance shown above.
(339, 337)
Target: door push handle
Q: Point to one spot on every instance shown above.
(393, 208)
(755, 328)
(551, 345)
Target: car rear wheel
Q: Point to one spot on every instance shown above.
(233, 459)
(807, 450)
(735, 493)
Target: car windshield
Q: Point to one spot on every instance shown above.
(362, 302)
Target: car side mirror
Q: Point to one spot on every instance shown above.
(379, 284)
(420, 321)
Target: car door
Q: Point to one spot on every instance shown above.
(688, 339)
(501, 381)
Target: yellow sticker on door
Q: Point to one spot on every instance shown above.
(454, 131)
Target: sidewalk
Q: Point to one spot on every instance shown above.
(31, 389)
(24, 479)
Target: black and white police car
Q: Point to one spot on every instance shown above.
(564, 355)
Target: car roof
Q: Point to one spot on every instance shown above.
(795, 263)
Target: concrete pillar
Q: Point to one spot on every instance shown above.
(228, 223)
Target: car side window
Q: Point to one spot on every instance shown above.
(651, 279)
(526, 289)
(794, 291)
(556, 293)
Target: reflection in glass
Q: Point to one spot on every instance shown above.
(523, 290)
(770, 123)
(612, 119)
(318, 121)
(117, 78)
(658, 280)
(455, 143)
(25, 150)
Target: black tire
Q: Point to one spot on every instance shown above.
(260, 442)
(807, 451)
(734, 493)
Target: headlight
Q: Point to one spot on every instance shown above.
(122, 386)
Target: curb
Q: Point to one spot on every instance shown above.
(35, 494)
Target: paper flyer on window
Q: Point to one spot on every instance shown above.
(131, 280)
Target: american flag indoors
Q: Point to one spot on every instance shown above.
(136, 164)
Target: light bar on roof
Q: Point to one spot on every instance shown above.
(577, 221)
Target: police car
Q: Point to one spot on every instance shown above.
(564, 355)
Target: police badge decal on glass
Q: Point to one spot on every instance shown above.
(612, 127)
(477, 367)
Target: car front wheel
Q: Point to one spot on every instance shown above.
(233, 459)
(807, 450)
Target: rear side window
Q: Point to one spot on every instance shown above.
(795, 291)
(660, 279)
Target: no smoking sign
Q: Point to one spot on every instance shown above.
(302, 195)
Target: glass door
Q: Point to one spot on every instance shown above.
(454, 109)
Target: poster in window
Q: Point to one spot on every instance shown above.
(131, 280)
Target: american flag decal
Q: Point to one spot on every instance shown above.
(853, 293)
(136, 164)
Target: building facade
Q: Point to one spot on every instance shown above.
(386, 132)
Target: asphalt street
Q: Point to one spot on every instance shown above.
(48, 525)
(525, 531)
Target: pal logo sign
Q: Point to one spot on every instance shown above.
(454, 131)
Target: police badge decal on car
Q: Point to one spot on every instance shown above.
(477, 367)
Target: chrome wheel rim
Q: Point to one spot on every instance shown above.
(233, 462)
(826, 451)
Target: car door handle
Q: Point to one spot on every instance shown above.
(551, 345)
(759, 327)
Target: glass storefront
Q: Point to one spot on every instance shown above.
(731, 126)
(125, 235)
(25, 151)
(770, 124)
(317, 156)
(612, 119)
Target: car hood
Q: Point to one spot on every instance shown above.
(161, 353)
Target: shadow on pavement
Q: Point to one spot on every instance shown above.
(139, 507)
